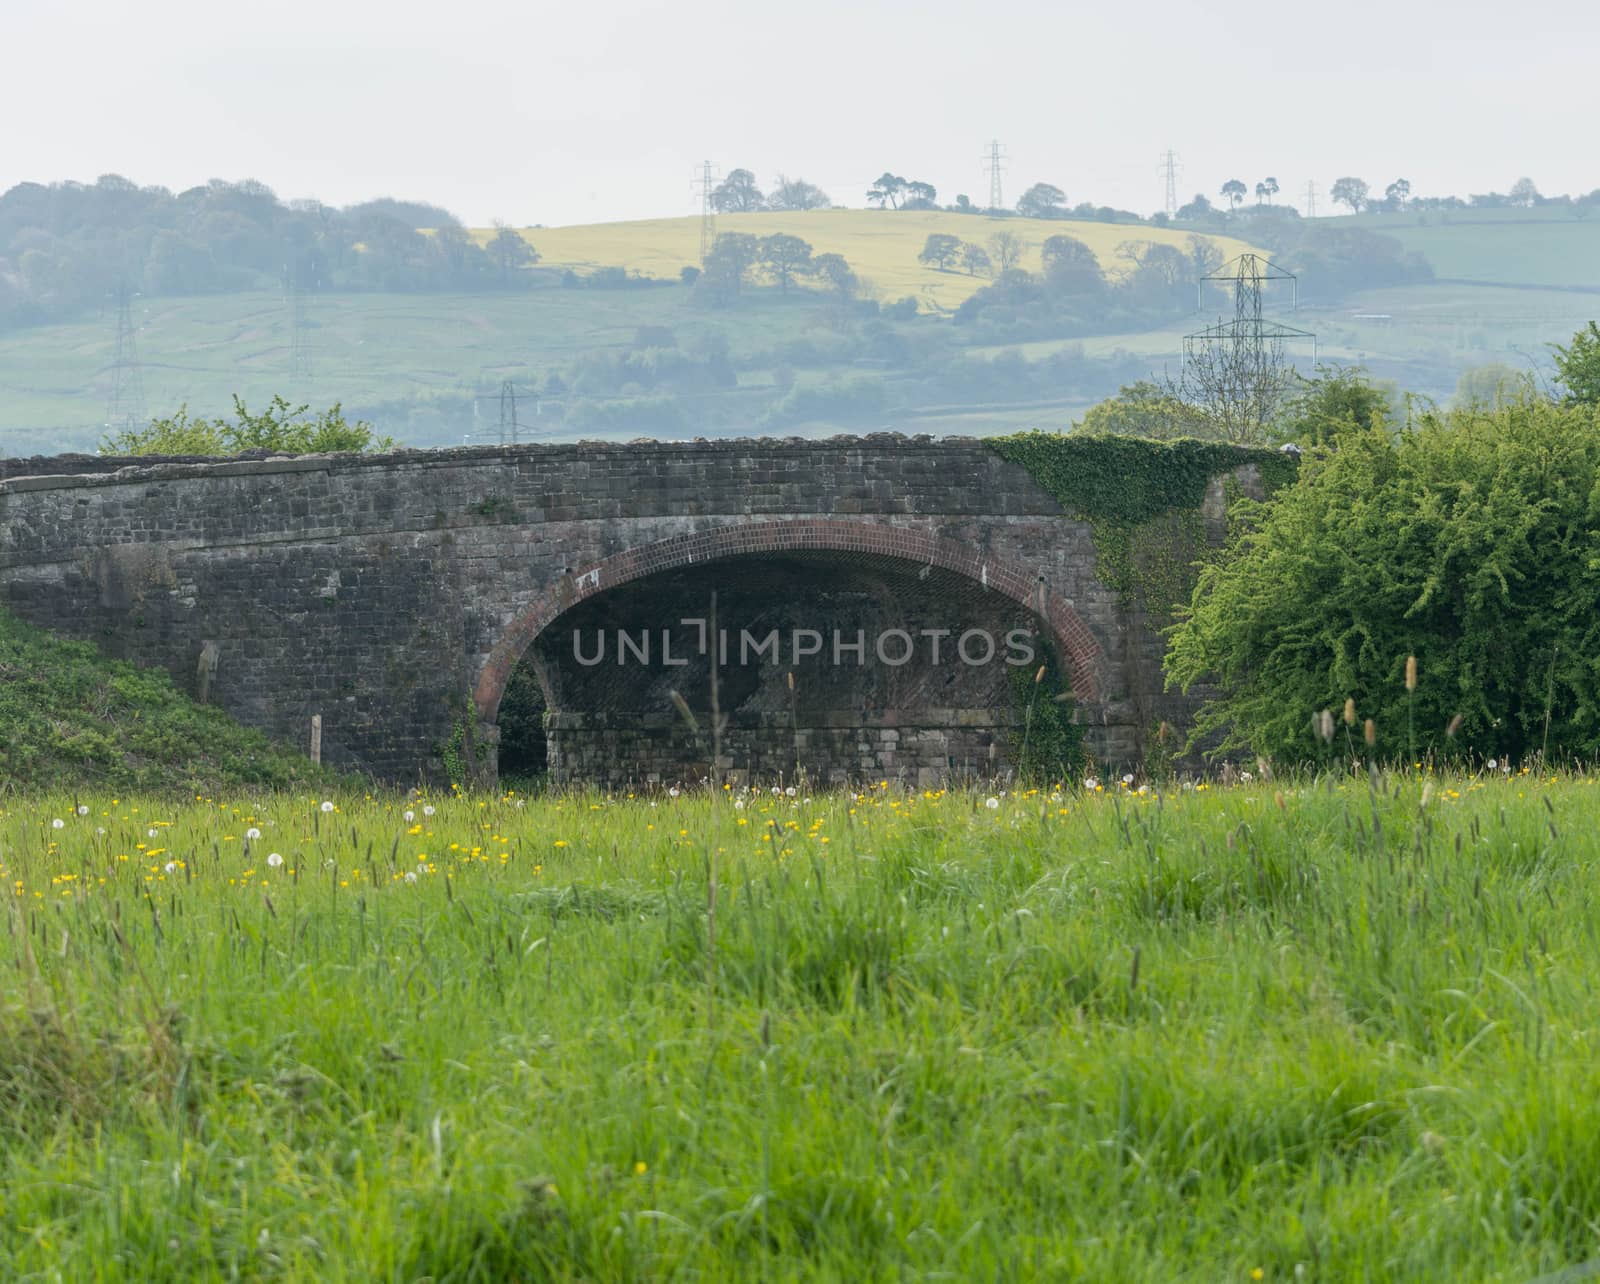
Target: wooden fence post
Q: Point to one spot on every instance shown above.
(316, 737)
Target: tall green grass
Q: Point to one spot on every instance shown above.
(1323, 1031)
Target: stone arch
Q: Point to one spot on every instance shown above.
(1074, 642)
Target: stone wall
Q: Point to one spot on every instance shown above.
(394, 594)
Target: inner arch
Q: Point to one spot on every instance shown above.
(899, 667)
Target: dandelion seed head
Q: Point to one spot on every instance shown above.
(327, 806)
(58, 823)
(274, 859)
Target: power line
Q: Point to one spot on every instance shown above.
(1169, 167)
(299, 348)
(508, 412)
(706, 182)
(1238, 367)
(126, 409)
(1311, 199)
(995, 158)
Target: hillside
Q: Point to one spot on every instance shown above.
(71, 720)
(882, 246)
(428, 366)
(1542, 246)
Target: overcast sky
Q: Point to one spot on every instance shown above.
(593, 110)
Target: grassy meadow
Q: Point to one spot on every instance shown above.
(1542, 246)
(882, 246)
(1319, 1030)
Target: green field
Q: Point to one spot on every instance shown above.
(366, 350)
(419, 364)
(1293, 1031)
(1539, 246)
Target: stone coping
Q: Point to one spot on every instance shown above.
(52, 472)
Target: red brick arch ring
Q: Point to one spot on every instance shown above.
(1071, 636)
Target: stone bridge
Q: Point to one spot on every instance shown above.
(397, 595)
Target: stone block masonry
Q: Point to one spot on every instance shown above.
(395, 594)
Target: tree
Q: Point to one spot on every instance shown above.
(1144, 409)
(886, 192)
(1042, 200)
(1397, 193)
(1204, 257)
(783, 257)
(919, 196)
(1007, 249)
(737, 194)
(974, 258)
(1238, 388)
(1492, 384)
(1266, 189)
(281, 427)
(797, 194)
(1523, 192)
(1351, 192)
(1455, 542)
(508, 251)
(833, 269)
(1578, 366)
(732, 256)
(1332, 404)
(1198, 208)
(940, 250)
(1071, 267)
(1233, 191)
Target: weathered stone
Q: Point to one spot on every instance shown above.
(395, 594)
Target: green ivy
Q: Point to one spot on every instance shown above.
(1142, 500)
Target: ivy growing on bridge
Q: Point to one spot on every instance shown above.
(1142, 500)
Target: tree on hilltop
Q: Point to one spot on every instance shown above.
(737, 194)
(886, 192)
(1042, 200)
(797, 194)
(1351, 192)
(1396, 194)
(1233, 191)
(919, 196)
(1266, 189)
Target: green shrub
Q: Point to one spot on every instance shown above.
(1469, 542)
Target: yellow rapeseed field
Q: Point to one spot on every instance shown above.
(882, 246)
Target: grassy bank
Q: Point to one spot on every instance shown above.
(1279, 1032)
(71, 718)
